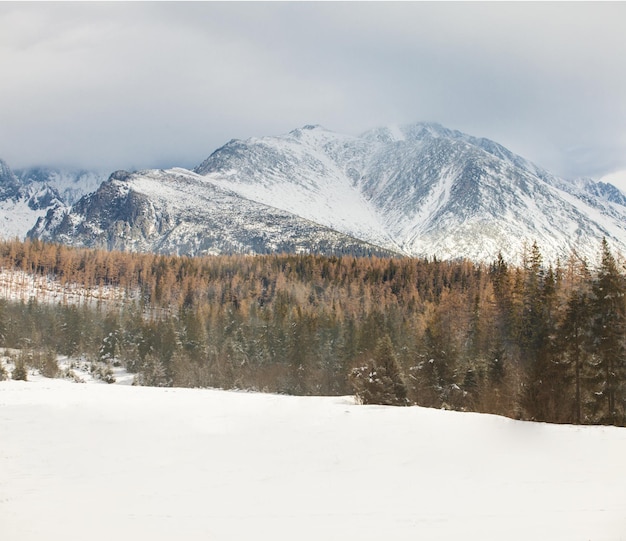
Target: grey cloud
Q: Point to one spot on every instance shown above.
(158, 84)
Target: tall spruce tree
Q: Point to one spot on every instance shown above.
(609, 326)
(573, 339)
(534, 332)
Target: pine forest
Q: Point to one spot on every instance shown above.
(534, 341)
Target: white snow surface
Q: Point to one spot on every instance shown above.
(101, 462)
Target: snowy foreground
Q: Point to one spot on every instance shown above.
(115, 462)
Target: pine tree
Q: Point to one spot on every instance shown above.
(574, 337)
(532, 331)
(609, 326)
(543, 384)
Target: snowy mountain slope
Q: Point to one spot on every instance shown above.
(179, 212)
(22, 203)
(27, 194)
(307, 173)
(617, 179)
(9, 183)
(70, 184)
(459, 198)
(16, 218)
(423, 189)
(122, 462)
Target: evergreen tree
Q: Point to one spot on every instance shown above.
(574, 337)
(609, 326)
(532, 329)
(543, 380)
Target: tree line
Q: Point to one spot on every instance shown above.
(534, 341)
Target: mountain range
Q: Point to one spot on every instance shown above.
(417, 190)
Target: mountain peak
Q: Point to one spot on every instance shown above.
(421, 188)
(312, 132)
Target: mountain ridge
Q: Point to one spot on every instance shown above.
(433, 191)
(418, 189)
(177, 212)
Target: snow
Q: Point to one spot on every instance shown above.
(119, 462)
(309, 179)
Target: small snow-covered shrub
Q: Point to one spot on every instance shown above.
(69, 373)
(107, 375)
(20, 371)
(102, 372)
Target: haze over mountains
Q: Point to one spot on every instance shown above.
(418, 190)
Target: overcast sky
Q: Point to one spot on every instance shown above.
(138, 85)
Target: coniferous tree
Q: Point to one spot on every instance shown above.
(574, 336)
(542, 383)
(609, 327)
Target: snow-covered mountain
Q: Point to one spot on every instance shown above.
(180, 212)
(420, 190)
(27, 195)
(70, 184)
(21, 203)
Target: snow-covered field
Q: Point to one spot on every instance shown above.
(115, 462)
